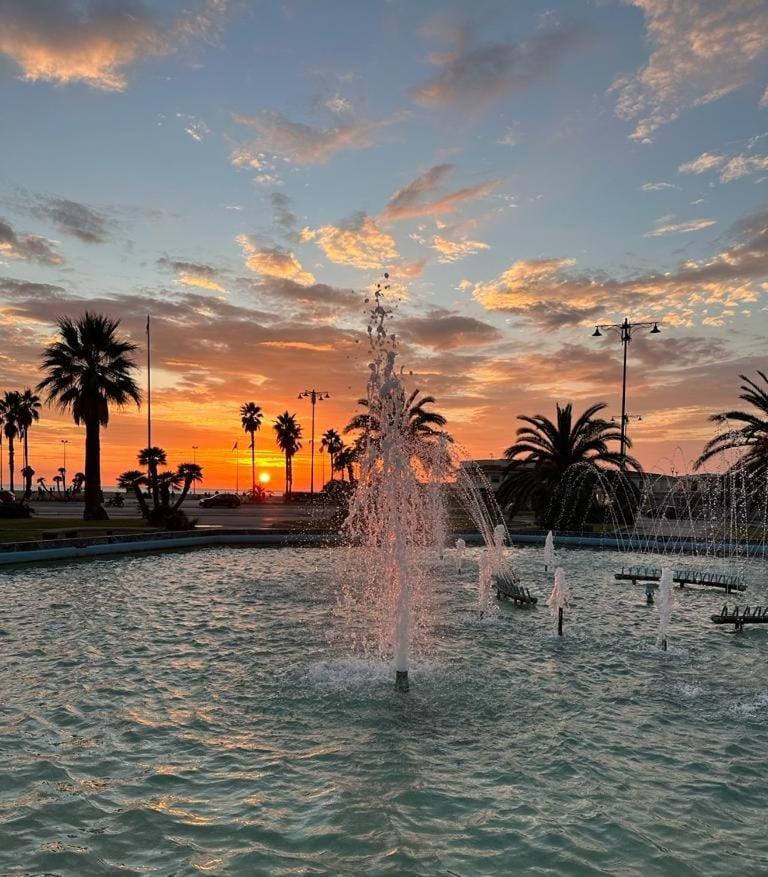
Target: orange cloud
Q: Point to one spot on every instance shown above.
(273, 262)
(58, 41)
(420, 198)
(452, 251)
(361, 243)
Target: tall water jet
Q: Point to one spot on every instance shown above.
(461, 547)
(549, 551)
(397, 520)
(559, 598)
(666, 605)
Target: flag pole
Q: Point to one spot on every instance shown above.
(149, 387)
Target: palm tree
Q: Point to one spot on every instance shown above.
(78, 480)
(548, 455)
(332, 442)
(189, 474)
(29, 413)
(10, 411)
(345, 460)
(135, 480)
(751, 439)
(27, 473)
(57, 479)
(288, 439)
(251, 416)
(167, 481)
(151, 459)
(89, 369)
(421, 423)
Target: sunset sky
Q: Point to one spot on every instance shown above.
(244, 171)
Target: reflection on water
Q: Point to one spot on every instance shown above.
(196, 713)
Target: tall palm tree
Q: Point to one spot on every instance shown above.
(135, 479)
(345, 461)
(332, 442)
(90, 368)
(189, 474)
(10, 410)
(29, 413)
(421, 423)
(251, 416)
(543, 460)
(288, 439)
(151, 459)
(750, 438)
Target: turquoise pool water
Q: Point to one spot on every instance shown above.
(185, 714)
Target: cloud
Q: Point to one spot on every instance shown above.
(301, 143)
(452, 251)
(419, 197)
(27, 247)
(70, 217)
(701, 51)
(447, 330)
(273, 261)
(285, 218)
(94, 41)
(657, 187)
(474, 75)
(665, 226)
(551, 293)
(360, 242)
(196, 128)
(731, 167)
(193, 273)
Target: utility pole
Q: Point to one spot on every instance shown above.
(625, 331)
(314, 397)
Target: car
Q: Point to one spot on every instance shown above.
(220, 500)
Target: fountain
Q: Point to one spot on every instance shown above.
(397, 514)
(666, 605)
(549, 551)
(559, 598)
(461, 547)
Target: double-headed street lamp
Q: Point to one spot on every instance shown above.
(625, 331)
(314, 397)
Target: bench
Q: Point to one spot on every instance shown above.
(749, 615)
(506, 589)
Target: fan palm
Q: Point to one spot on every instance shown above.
(11, 414)
(135, 479)
(251, 416)
(90, 368)
(188, 474)
(288, 439)
(27, 473)
(421, 423)
(346, 458)
(29, 413)
(751, 438)
(546, 453)
(332, 443)
(151, 458)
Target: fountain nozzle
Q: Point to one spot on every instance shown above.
(401, 680)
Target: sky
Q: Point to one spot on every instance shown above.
(245, 172)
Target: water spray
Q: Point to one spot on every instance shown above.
(559, 598)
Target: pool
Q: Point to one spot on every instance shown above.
(201, 713)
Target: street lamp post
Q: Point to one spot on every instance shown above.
(314, 397)
(625, 331)
(194, 462)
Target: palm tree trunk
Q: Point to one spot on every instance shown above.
(11, 461)
(287, 491)
(141, 501)
(155, 484)
(183, 495)
(94, 511)
(26, 447)
(253, 463)
(332, 456)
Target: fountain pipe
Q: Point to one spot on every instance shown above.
(560, 621)
(401, 681)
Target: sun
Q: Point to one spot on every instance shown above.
(265, 477)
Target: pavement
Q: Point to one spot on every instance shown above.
(272, 514)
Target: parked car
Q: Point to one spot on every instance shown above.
(220, 500)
